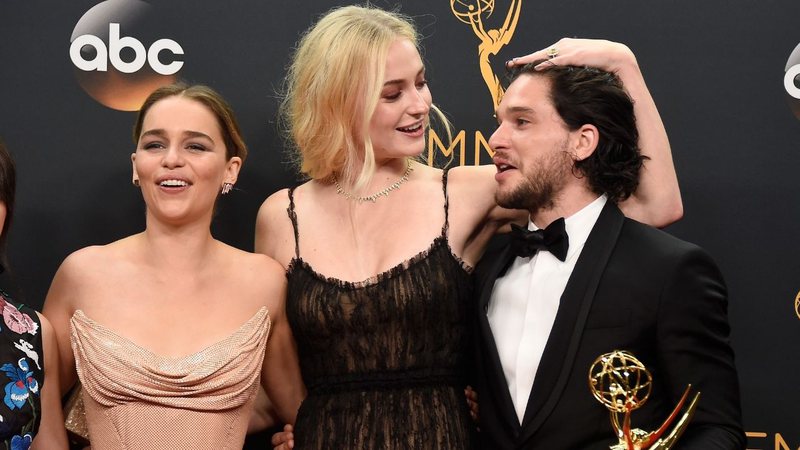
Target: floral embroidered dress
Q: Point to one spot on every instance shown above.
(22, 367)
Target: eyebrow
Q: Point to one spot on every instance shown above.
(159, 132)
(521, 109)
(400, 81)
(517, 110)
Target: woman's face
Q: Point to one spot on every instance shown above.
(180, 160)
(397, 127)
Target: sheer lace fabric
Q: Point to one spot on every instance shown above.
(384, 360)
(136, 399)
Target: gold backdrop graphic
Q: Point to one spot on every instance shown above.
(797, 305)
(473, 13)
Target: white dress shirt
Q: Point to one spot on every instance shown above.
(525, 301)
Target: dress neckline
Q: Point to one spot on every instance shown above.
(439, 242)
(261, 315)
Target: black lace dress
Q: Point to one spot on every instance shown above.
(384, 359)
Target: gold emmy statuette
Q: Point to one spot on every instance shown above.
(622, 384)
(472, 12)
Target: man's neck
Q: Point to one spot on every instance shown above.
(570, 200)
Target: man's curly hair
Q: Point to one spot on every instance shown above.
(585, 95)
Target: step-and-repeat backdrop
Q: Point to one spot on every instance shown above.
(724, 75)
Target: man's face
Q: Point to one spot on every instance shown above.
(531, 146)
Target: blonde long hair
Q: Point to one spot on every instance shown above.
(333, 86)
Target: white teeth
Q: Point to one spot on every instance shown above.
(173, 183)
(411, 128)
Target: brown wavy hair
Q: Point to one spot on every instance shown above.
(8, 189)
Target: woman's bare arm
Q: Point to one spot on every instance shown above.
(657, 201)
(52, 434)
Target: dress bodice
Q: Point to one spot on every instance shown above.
(402, 325)
(136, 399)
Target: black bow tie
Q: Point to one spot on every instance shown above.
(554, 239)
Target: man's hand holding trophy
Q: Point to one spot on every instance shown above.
(623, 384)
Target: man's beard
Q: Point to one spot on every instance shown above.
(539, 190)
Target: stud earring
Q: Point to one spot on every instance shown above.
(136, 182)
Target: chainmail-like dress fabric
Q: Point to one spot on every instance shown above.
(384, 359)
(136, 399)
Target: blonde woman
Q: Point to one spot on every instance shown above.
(378, 247)
(168, 329)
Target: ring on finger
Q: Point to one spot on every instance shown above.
(552, 52)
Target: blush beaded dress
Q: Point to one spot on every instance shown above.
(136, 399)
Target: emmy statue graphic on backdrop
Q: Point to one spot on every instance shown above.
(797, 305)
(472, 13)
(622, 384)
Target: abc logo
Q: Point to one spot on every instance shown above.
(791, 82)
(120, 55)
(115, 45)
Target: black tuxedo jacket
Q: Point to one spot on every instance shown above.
(633, 288)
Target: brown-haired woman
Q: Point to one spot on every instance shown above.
(170, 330)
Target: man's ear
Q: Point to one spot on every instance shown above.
(586, 140)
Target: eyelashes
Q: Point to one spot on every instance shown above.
(396, 94)
(156, 145)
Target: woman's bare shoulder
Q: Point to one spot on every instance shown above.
(469, 176)
(85, 272)
(252, 269)
(274, 211)
(247, 262)
(96, 258)
(278, 200)
(257, 279)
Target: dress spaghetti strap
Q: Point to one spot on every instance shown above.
(446, 225)
(293, 217)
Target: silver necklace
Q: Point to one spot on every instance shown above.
(374, 197)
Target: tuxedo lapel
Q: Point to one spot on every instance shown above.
(496, 267)
(562, 344)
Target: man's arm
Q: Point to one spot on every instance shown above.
(694, 347)
(657, 200)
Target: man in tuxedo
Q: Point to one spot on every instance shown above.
(591, 281)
